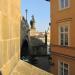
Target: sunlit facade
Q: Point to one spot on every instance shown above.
(9, 35)
(63, 37)
(10, 21)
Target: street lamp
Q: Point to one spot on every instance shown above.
(26, 13)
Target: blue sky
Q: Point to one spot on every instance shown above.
(40, 9)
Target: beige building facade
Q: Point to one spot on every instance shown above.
(9, 35)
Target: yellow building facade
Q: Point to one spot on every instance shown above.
(63, 37)
(9, 35)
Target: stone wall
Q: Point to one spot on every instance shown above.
(9, 35)
(23, 68)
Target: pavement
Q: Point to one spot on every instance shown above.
(24, 68)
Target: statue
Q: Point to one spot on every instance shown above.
(32, 22)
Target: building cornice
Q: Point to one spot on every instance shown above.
(68, 47)
(63, 55)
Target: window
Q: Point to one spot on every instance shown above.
(64, 4)
(63, 69)
(64, 36)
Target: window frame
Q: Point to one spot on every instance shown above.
(59, 33)
(65, 7)
(59, 67)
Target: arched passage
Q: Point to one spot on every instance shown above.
(0, 73)
(24, 49)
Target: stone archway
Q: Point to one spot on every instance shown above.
(24, 49)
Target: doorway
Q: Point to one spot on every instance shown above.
(24, 49)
